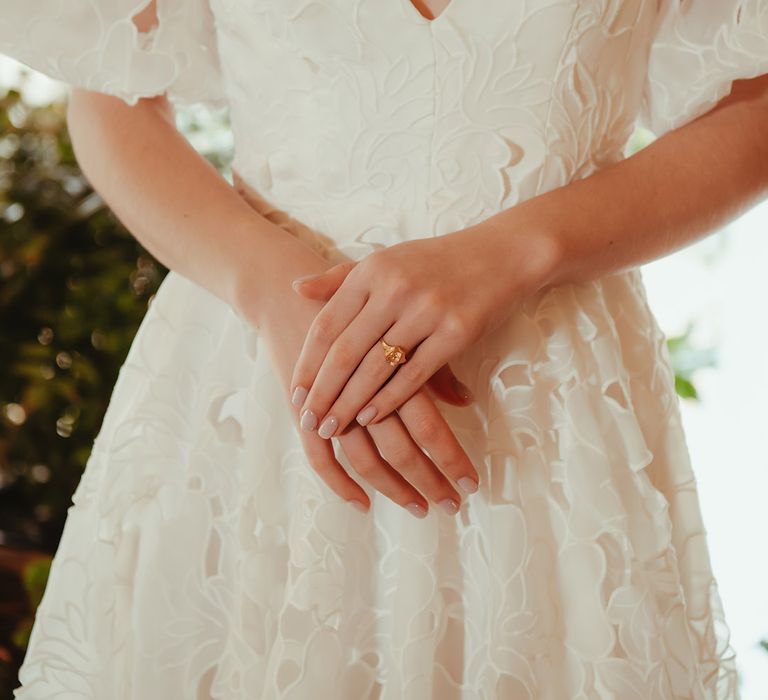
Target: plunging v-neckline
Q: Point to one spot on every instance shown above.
(437, 18)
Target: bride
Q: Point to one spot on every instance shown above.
(421, 287)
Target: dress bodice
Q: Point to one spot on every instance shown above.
(369, 122)
(370, 103)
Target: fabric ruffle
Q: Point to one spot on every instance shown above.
(96, 46)
(699, 49)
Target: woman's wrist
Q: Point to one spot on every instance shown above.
(262, 275)
(521, 248)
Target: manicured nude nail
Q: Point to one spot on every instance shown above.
(366, 415)
(449, 506)
(416, 510)
(299, 394)
(467, 485)
(358, 506)
(303, 278)
(328, 426)
(308, 420)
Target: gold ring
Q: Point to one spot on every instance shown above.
(393, 354)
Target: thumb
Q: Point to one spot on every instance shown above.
(323, 286)
(448, 388)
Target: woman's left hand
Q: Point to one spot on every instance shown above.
(434, 297)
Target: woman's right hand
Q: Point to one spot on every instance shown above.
(389, 454)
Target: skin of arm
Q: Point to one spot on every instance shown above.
(176, 203)
(683, 186)
(183, 198)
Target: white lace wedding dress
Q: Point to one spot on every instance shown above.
(203, 558)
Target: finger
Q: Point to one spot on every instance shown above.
(354, 369)
(330, 321)
(323, 286)
(427, 426)
(361, 384)
(426, 359)
(364, 457)
(323, 460)
(398, 448)
(445, 385)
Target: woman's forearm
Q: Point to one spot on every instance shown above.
(685, 185)
(177, 204)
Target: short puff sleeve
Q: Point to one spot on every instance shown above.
(698, 49)
(94, 44)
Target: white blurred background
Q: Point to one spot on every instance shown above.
(720, 284)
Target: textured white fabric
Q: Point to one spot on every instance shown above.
(203, 558)
(700, 47)
(96, 45)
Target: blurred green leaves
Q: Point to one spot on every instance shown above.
(74, 286)
(687, 359)
(34, 579)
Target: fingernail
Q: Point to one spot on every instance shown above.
(417, 510)
(449, 506)
(462, 390)
(327, 427)
(366, 415)
(304, 278)
(299, 394)
(308, 420)
(358, 506)
(467, 485)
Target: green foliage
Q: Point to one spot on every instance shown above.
(686, 359)
(74, 286)
(35, 578)
(639, 140)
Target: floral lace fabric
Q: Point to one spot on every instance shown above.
(202, 557)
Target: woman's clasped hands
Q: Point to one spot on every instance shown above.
(432, 297)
